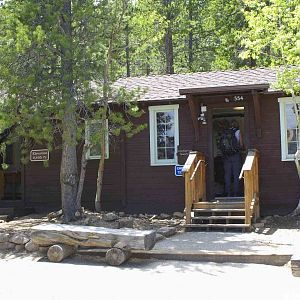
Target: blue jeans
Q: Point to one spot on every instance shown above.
(232, 169)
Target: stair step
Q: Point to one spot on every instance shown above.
(230, 199)
(218, 205)
(219, 218)
(228, 210)
(217, 225)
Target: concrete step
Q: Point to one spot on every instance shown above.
(216, 226)
(272, 258)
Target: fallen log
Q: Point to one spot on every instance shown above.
(118, 254)
(90, 236)
(57, 253)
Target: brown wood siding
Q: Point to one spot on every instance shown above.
(280, 188)
(155, 189)
(42, 188)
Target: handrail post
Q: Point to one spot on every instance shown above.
(194, 177)
(251, 186)
(188, 206)
(248, 196)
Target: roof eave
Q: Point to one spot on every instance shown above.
(222, 89)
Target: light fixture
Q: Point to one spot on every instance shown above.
(239, 108)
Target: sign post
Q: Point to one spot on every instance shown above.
(39, 155)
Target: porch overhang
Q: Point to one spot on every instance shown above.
(224, 89)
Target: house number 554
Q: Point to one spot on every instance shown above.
(238, 98)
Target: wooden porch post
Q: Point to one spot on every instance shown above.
(195, 111)
(257, 113)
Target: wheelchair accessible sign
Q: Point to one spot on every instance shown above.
(178, 171)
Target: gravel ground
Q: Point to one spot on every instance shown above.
(279, 234)
(74, 279)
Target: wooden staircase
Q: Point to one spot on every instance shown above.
(223, 212)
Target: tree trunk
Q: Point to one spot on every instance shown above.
(190, 50)
(68, 171)
(169, 40)
(82, 175)
(98, 205)
(127, 51)
(169, 51)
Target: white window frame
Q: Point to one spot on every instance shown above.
(87, 137)
(283, 126)
(153, 134)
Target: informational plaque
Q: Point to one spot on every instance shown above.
(39, 155)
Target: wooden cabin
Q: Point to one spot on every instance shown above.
(175, 163)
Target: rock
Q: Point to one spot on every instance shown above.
(264, 221)
(164, 216)
(122, 214)
(54, 214)
(109, 217)
(141, 216)
(19, 247)
(259, 225)
(77, 214)
(167, 231)
(86, 221)
(178, 215)
(126, 222)
(4, 237)
(31, 246)
(7, 246)
(159, 237)
(19, 238)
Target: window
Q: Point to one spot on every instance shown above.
(289, 127)
(90, 131)
(164, 134)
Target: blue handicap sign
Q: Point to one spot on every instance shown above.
(178, 170)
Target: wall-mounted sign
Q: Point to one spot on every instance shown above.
(178, 170)
(39, 155)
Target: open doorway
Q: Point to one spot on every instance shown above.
(221, 116)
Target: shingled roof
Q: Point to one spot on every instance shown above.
(168, 87)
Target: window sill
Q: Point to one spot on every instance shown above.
(163, 164)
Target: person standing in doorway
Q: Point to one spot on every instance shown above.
(231, 144)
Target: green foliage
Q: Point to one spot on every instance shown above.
(31, 69)
(273, 38)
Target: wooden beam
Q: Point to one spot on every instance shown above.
(57, 253)
(257, 113)
(90, 236)
(195, 111)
